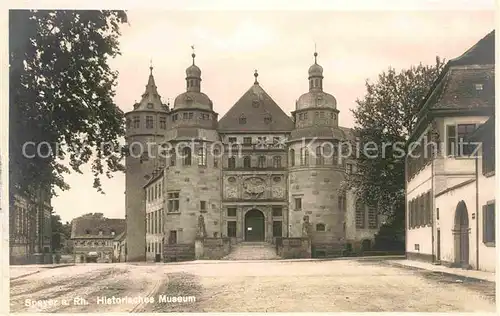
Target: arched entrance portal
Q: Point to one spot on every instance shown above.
(461, 235)
(254, 226)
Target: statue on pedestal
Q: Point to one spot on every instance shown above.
(306, 227)
(202, 232)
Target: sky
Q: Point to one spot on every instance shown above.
(352, 46)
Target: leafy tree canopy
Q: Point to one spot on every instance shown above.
(386, 115)
(61, 92)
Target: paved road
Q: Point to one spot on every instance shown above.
(258, 286)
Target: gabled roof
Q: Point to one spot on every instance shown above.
(94, 224)
(260, 113)
(455, 88)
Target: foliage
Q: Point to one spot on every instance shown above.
(61, 92)
(387, 115)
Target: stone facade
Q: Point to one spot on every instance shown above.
(241, 175)
(450, 201)
(30, 229)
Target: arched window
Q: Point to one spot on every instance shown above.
(186, 153)
(319, 156)
(216, 158)
(247, 162)
(276, 162)
(360, 214)
(320, 227)
(292, 157)
(231, 162)
(262, 161)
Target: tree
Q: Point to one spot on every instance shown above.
(387, 115)
(58, 234)
(61, 96)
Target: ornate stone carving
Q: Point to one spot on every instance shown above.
(201, 232)
(231, 192)
(254, 187)
(277, 192)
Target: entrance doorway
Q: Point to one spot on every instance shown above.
(254, 226)
(461, 236)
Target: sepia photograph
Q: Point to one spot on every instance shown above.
(251, 160)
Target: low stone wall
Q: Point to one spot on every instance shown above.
(327, 250)
(293, 248)
(178, 252)
(212, 248)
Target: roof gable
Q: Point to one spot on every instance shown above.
(258, 113)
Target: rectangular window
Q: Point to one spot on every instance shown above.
(159, 190)
(342, 201)
(190, 116)
(232, 140)
(137, 121)
(247, 140)
(203, 205)
(372, 218)
(173, 202)
(451, 140)
(184, 116)
(155, 192)
(304, 156)
(437, 213)
(231, 163)
(428, 207)
(172, 237)
(463, 133)
(247, 162)
(276, 162)
(277, 229)
(262, 161)
(277, 211)
(231, 229)
(202, 157)
(231, 212)
(163, 122)
(298, 204)
(149, 122)
(489, 224)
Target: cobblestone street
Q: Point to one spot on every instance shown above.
(258, 286)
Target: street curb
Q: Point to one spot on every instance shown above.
(449, 274)
(41, 269)
(24, 275)
(222, 261)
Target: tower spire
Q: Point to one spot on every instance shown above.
(256, 74)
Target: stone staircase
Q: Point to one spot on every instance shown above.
(253, 251)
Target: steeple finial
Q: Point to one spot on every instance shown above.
(256, 74)
(151, 66)
(315, 54)
(193, 54)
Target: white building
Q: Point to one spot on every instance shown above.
(449, 200)
(155, 201)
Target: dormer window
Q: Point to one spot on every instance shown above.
(243, 120)
(100, 232)
(112, 233)
(267, 120)
(255, 103)
(87, 231)
(478, 86)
